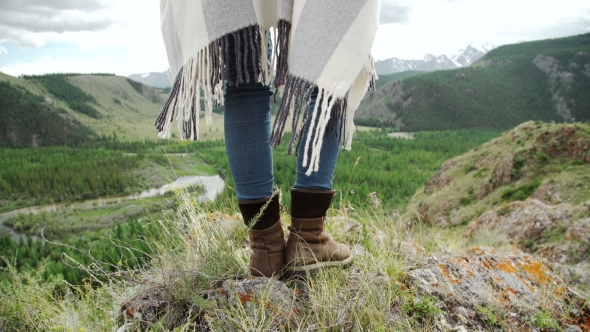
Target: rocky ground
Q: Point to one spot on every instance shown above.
(521, 201)
(531, 185)
(478, 290)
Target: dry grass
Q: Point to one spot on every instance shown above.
(196, 247)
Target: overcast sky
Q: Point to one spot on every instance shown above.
(123, 37)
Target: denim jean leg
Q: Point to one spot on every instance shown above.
(247, 130)
(322, 179)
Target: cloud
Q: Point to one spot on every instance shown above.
(392, 12)
(3, 50)
(50, 6)
(25, 21)
(567, 28)
(57, 24)
(23, 38)
(121, 64)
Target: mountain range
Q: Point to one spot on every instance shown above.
(545, 80)
(430, 62)
(463, 58)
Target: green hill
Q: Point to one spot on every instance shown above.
(27, 119)
(528, 187)
(104, 103)
(547, 80)
(384, 79)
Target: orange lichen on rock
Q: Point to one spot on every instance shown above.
(446, 274)
(245, 297)
(507, 281)
(537, 269)
(507, 266)
(486, 264)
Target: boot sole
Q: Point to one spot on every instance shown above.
(313, 269)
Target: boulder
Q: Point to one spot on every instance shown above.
(154, 306)
(485, 292)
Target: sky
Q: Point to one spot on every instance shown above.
(123, 37)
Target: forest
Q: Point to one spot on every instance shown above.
(392, 168)
(60, 87)
(56, 174)
(27, 120)
(478, 97)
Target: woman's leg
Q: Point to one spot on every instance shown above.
(247, 126)
(322, 179)
(247, 135)
(309, 247)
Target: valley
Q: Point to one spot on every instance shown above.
(456, 176)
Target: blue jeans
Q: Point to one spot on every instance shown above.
(247, 131)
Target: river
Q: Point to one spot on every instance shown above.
(213, 186)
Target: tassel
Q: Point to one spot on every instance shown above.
(206, 71)
(282, 51)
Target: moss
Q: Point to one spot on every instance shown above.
(466, 201)
(488, 315)
(521, 193)
(544, 320)
(519, 161)
(425, 308)
(479, 173)
(542, 157)
(504, 210)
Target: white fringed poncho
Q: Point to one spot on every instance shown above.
(323, 44)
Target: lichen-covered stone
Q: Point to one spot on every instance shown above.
(258, 296)
(152, 305)
(485, 292)
(557, 234)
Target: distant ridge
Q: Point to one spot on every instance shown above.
(430, 62)
(104, 103)
(153, 79)
(545, 80)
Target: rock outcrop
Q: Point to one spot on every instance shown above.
(531, 185)
(533, 160)
(153, 305)
(475, 292)
(484, 292)
(557, 234)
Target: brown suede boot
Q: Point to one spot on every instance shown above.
(266, 235)
(309, 247)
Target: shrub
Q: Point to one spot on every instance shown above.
(466, 201)
(521, 193)
(543, 157)
(425, 308)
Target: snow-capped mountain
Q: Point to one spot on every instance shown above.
(463, 58)
(157, 80)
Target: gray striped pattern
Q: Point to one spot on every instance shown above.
(223, 16)
(173, 47)
(316, 37)
(285, 10)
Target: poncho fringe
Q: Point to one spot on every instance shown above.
(207, 71)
